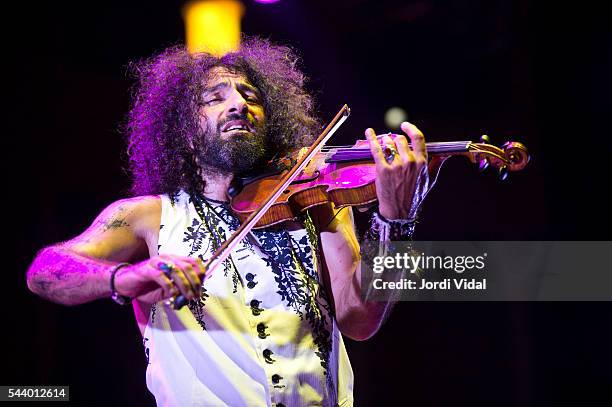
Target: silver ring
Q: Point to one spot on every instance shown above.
(390, 153)
(167, 269)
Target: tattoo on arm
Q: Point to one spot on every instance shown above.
(69, 278)
(114, 224)
(117, 221)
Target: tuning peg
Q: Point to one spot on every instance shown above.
(483, 165)
(485, 139)
(503, 172)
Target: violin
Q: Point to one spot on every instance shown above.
(345, 175)
(342, 175)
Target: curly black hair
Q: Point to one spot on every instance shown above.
(168, 93)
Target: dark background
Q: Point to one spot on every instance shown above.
(531, 71)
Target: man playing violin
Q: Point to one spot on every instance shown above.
(264, 327)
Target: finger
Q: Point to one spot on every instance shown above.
(198, 268)
(177, 275)
(181, 281)
(417, 140)
(188, 271)
(167, 285)
(201, 267)
(389, 149)
(405, 153)
(198, 265)
(375, 148)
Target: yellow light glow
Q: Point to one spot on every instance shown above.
(213, 25)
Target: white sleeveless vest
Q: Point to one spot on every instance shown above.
(262, 332)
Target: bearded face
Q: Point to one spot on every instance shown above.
(232, 120)
(234, 145)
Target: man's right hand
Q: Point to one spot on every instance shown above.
(78, 271)
(149, 281)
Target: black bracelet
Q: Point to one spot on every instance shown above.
(119, 299)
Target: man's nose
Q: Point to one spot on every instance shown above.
(238, 104)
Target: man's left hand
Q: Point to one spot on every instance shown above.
(401, 171)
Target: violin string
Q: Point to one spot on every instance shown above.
(437, 147)
(429, 145)
(433, 147)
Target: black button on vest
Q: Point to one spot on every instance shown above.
(267, 354)
(255, 307)
(249, 277)
(261, 330)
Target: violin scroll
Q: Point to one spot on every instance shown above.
(512, 156)
(516, 154)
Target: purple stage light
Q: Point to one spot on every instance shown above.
(266, 1)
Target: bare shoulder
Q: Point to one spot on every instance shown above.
(144, 212)
(139, 214)
(122, 231)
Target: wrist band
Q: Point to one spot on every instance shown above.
(382, 229)
(384, 238)
(119, 299)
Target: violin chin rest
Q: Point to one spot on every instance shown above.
(234, 189)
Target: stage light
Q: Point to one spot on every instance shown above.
(394, 117)
(266, 1)
(213, 25)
